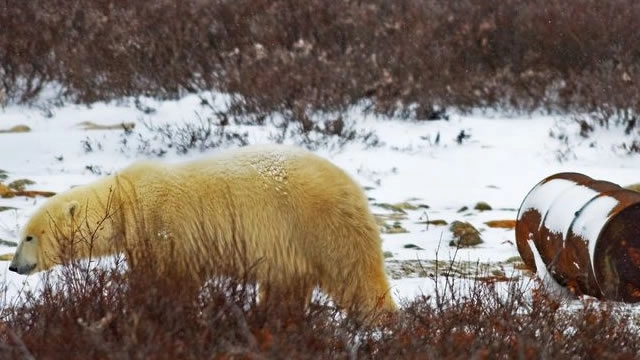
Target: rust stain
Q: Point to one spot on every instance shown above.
(634, 255)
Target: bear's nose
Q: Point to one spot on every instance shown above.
(13, 268)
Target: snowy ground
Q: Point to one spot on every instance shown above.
(503, 158)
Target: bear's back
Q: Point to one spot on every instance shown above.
(271, 163)
(284, 181)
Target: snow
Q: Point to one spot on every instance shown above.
(504, 158)
(547, 279)
(271, 167)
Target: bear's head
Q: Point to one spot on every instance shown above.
(57, 226)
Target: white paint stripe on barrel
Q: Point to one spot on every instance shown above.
(588, 224)
(564, 208)
(543, 195)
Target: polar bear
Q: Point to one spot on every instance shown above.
(292, 213)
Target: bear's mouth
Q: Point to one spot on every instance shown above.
(24, 269)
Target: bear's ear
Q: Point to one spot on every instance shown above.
(72, 208)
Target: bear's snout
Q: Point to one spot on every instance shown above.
(22, 270)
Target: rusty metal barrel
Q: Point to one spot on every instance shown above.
(586, 232)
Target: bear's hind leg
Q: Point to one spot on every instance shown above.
(290, 295)
(363, 292)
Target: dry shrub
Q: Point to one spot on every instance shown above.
(118, 312)
(410, 57)
(117, 315)
(484, 325)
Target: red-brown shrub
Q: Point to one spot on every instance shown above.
(296, 57)
(119, 314)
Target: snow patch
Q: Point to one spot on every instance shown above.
(496, 165)
(550, 284)
(271, 167)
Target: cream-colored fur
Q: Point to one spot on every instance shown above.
(290, 213)
(634, 187)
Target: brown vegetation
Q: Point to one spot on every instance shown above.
(113, 313)
(412, 56)
(505, 224)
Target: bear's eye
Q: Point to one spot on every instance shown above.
(28, 238)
